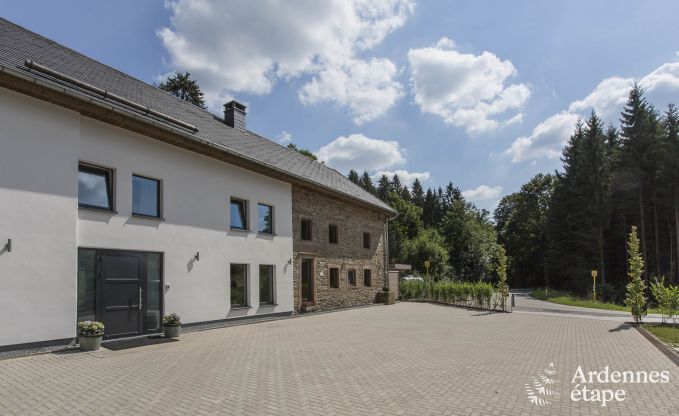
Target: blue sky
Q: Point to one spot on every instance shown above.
(481, 93)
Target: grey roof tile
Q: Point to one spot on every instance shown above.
(18, 44)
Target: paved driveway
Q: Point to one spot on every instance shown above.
(407, 359)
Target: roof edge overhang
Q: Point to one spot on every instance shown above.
(103, 110)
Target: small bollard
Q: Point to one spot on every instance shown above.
(513, 300)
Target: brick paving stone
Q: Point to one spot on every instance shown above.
(406, 359)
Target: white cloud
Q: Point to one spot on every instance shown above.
(405, 176)
(546, 140)
(482, 193)
(233, 46)
(284, 137)
(607, 99)
(466, 90)
(359, 152)
(367, 88)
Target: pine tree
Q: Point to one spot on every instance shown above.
(366, 183)
(429, 209)
(396, 185)
(383, 187)
(405, 194)
(636, 300)
(670, 176)
(353, 176)
(638, 133)
(182, 86)
(417, 193)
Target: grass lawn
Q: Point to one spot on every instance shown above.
(563, 298)
(666, 332)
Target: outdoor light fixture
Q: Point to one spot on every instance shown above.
(8, 246)
(197, 256)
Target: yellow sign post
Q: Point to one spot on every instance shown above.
(427, 263)
(594, 273)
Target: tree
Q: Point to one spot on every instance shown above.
(182, 86)
(383, 187)
(353, 176)
(405, 226)
(427, 245)
(501, 270)
(636, 300)
(367, 183)
(417, 193)
(520, 221)
(305, 152)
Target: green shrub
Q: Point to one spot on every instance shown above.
(473, 294)
(172, 319)
(90, 328)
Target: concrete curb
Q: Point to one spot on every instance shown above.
(664, 348)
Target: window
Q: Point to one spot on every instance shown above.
(333, 236)
(366, 240)
(87, 299)
(266, 281)
(351, 277)
(95, 189)
(145, 196)
(306, 229)
(334, 277)
(239, 285)
(239, 218)
(367, 277)
(265, 222)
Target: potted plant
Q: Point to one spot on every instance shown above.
(171, 325)
(386, 296)
(90, 334)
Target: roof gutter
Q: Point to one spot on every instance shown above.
(109, 95)
(145, 118)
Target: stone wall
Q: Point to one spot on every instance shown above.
(352, 221)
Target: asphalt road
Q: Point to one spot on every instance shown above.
(524, 303)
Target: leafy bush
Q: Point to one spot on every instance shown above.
(667, 298)
(469, 294)
(90, 328)
(172, 319)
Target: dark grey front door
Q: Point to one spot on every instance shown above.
(122, 289)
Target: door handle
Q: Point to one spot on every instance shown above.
(140, 292)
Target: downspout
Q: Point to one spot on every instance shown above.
(386, 250)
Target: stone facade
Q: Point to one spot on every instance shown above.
(347, 254)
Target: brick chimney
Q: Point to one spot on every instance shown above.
(234, 115)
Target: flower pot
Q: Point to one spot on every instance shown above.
(89, 342)
(171, 331)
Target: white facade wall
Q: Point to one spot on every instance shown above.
(40, 147)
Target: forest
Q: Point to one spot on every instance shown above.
(560, 225)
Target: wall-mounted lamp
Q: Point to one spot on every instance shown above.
(290, 261)
(8, 246)
(197, 256)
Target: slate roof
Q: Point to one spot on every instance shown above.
(18, 44)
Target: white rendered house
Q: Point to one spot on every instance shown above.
(121, 203)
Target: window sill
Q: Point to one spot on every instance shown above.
(236, 308)
(240, 230)
(148, 217)
(102, 210)
(267, 304)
